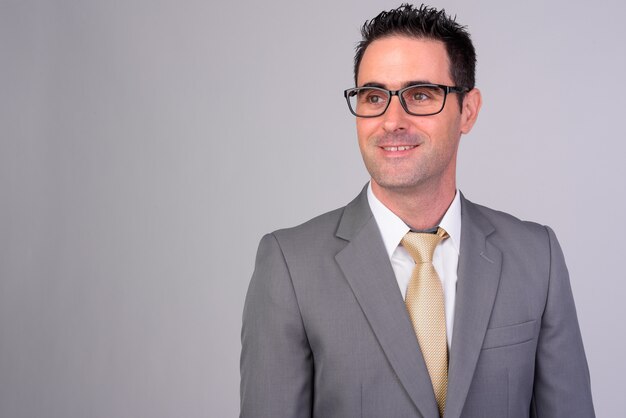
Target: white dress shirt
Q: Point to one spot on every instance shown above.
(445, 258)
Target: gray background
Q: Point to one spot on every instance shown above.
(146, 146)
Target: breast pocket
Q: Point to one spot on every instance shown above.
(510, 335)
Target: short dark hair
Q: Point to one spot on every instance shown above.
(424, 23)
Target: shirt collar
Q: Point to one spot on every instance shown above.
(393, 229)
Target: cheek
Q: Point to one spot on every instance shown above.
(445, 131)
(365, 128)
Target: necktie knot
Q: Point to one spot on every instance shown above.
(421, 246)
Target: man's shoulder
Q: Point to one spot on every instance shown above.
(507, 225)
(317, 225)
(329, 224)
(503, 218)
(310, 240)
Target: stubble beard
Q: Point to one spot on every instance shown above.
(399, 175)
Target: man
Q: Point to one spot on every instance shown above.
(412, 301)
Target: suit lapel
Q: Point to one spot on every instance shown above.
(478, 278)
(367, 269)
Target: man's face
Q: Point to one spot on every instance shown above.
(404, 152)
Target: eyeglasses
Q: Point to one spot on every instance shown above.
(416, 100)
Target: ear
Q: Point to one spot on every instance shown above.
(471, 106)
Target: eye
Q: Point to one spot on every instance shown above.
(419, 96)
(423, 96)
(373, 97)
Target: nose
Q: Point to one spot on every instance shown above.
(395, 117)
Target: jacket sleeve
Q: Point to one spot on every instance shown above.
(562, 386)
(276, 360)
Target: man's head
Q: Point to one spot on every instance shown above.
(429, 24)
(405, 50)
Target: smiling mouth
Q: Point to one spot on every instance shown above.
(400, 148)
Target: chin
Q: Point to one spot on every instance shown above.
(396, 184)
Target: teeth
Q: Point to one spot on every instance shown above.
(401, 148)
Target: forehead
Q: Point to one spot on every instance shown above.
(393, 61)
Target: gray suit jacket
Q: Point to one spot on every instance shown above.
(326, 332)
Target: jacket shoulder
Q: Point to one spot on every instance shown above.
(519, 237)
(319, 228)
(503, 221)
(331, 226)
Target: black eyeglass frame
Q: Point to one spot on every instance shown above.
(390, 93)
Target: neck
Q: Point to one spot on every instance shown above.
(419, 208)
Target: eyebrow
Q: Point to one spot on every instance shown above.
(405, 84)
